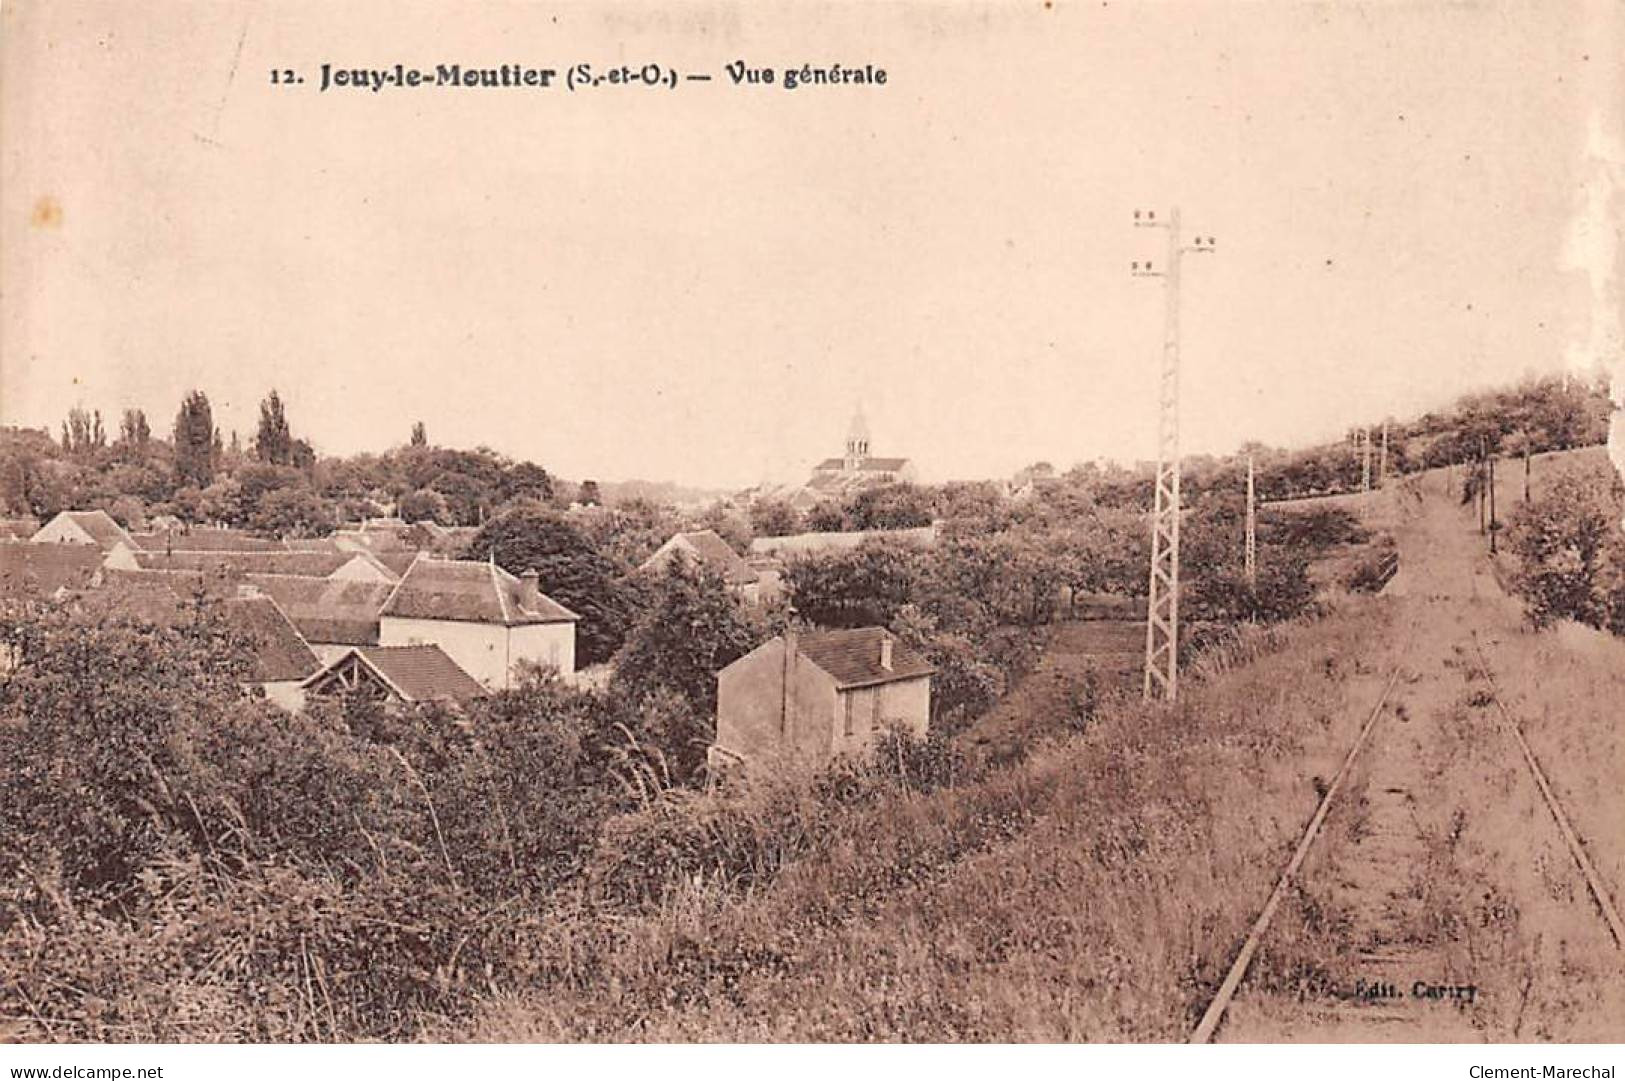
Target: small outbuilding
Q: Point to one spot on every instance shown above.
(805, 698)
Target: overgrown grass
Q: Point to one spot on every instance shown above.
(1091, 890)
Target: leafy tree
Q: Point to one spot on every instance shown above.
(527, 480)
(274, 442)
(424, 506)
(292, 511)
(589, 495)
(570, 568)
(196, 442)
(1562, 540)
(693, 629)
(774, 518)
(133, 430)
(863, 587)
(891, 506)
(420, 436)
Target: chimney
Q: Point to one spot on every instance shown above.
(885, 652)
(530, 593)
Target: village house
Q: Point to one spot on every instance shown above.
(279, 659)
(90, 527)
(805, 698)
(403, 674)
(705, 548)
(334, 615)
(488, 621)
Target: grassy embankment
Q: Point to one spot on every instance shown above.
(1091, 890)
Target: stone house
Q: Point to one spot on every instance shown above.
(801, 699)
(485, 619)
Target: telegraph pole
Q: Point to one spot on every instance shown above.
(1365, 459)
(1162, 600)
(1382, 462)
(1251, 558)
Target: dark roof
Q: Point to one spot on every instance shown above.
(865, 465)
(713, 553)
(327, 610)
(278, 652)
(415, 673)
(239, 563)
(853, 656)
(99, 524)
(39, 570)
(204, 539)
(470, 592)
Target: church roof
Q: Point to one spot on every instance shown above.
(866, 465)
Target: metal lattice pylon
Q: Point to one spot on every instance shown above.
(1162, 601)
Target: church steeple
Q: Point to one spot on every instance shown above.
(857, 440)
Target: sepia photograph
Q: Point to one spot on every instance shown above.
(928, 522)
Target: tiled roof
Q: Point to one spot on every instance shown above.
(416, 673)
(280, 655)
(865, 465)
(712, 552)
(471, 592)
(100, 525)
(237, 564)
(39, 570)
(853, 656)
(204, 539)
(278, 652)
(327, 610)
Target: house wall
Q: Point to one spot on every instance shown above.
(750, 708)
(863, 713)
(480, 649)
(62, 530)
(487, 651)
(546, 643)
(288, 694)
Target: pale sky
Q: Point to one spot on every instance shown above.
(700, 284)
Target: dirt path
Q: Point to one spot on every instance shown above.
(1439, 903)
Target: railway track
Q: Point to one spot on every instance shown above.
(1373, 885)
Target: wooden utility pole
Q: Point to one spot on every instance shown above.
(1382, 462)
(1494, 525)
(1365, 459)
(1162, 600)
(1251, 555)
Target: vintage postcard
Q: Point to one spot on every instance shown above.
(934, 521)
